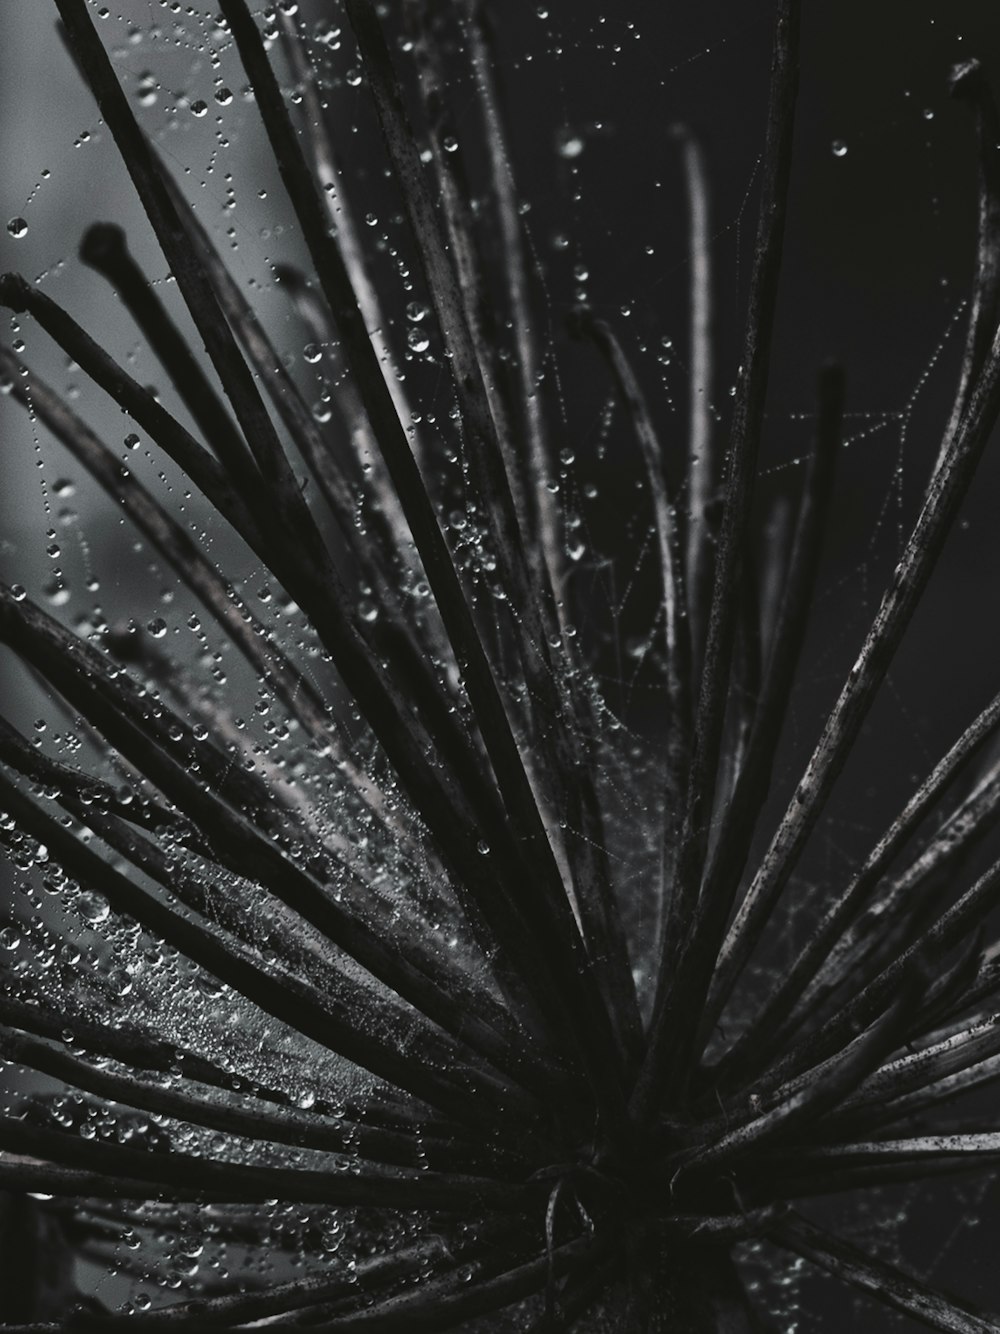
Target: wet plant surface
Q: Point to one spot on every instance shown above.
(406, 933)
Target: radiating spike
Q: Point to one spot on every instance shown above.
(703, 475)
(546, 907)
(964, 441)
(883, 1282)
(664, 1053)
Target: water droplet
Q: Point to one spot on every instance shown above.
(199, 108)
(312, 352)
(132, 441)
(417, 340)
(17, 228)
(157, 627)
(223, 96)
(56, 593)
(93, 909)
(839, 148)
(354, 77)
(119, 981)
(367, 610)
(570, 145)
(483, 848)
(9, 938)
